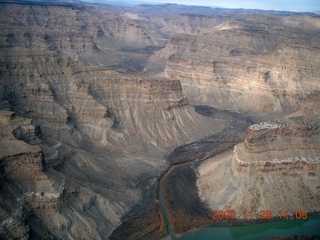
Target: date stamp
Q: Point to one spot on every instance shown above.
(263, 214)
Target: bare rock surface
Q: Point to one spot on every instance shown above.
(266, 176)
(233, 62)
(24, 185)
(15, 154)
(118, 126)
(93, 97)
(104, 134)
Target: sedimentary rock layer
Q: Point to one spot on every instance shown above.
(290, 133)
(84, 33)
(103, 133)
(25, 186)
(274, 62)
(260, 175)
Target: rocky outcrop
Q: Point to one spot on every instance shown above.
(284, 145)
(18, 160)
(27, 133)
(261, 173)
(22, 177)
(21, 166)
(286, 134)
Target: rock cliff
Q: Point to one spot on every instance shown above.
(261, 173)
(19, 160)
(96, 120)
(93, 97)
(65, 98)
(273, 61)
(99, 136)
(25, 185)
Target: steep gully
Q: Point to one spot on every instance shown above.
(196, 152)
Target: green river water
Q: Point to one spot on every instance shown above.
(259, 231)
(310, 226)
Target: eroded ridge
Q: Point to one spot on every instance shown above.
(278, 163)
(22, 176)
(278, 145)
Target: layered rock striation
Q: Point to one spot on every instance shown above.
(86, 143)
(273, 61)
(290, 133)
(284, 145)
(103, 133)
(279, 162)
(26, 188)
(65, 98)
(85, 33)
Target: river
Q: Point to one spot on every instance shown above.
(309, 226)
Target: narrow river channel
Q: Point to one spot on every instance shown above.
(183, 156)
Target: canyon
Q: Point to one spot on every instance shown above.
(110, 113)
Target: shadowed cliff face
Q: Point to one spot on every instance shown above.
(104, 134)
(99, 95)
(74, 103)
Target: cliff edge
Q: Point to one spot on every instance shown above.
(261, 173)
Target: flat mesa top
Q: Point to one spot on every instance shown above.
(293, 122)
(266, 125)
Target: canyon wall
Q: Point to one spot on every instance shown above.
(273, 61)
(84, 33)
(84, 136)
(94, 138)
(25, 186)
(278, 162)
(67, 101)
(118, 128)
(282, 146)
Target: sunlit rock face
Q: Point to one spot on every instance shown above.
(290, 133)
(273, 62)
(280, 146)
(65, 97)
(261, 173)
